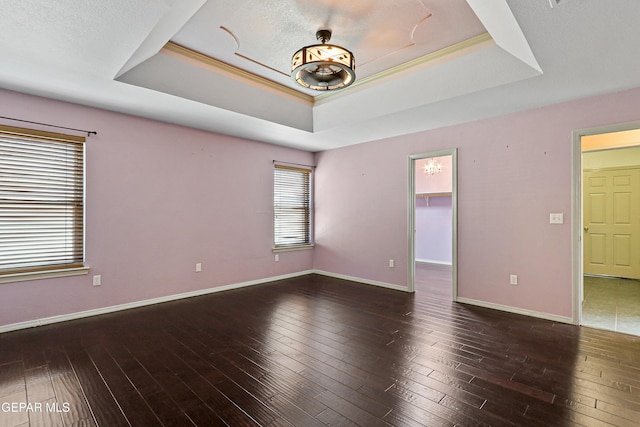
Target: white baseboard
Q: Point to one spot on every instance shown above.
(136, 304)
(516, 310)
(361, 280)
(506, 308)
(430, 261)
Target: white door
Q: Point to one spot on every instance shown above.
(611, 200)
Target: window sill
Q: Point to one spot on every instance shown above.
(45, 274)
(278, 249)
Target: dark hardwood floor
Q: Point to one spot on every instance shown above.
(316, 351)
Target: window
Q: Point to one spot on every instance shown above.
(41, 202)
(291, 207)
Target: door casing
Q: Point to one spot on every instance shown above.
(576, 209)
(411, 237)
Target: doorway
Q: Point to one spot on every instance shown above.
(607, 228)
(432, 222)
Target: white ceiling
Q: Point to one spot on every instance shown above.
(223, 66)
(261, 37)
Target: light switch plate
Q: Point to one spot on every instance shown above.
(556, 218)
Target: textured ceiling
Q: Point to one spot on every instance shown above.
(237, 58)
(420, 64)
(261, 37)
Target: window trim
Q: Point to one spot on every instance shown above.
(301, 246)
(53, 270)
(44, 274)
(278, 249)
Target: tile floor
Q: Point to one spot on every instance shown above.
(611, 303)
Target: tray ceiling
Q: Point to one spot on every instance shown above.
(223, 66)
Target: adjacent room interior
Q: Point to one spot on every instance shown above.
(433, 221)
(611, 225)
(306, 213)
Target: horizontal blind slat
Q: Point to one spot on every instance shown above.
(41, 200)
(292, 206)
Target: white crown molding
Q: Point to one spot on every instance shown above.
(449, 53)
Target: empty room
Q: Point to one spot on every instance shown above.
(297, 213)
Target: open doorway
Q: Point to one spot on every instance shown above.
(609, 217)
(432, 223)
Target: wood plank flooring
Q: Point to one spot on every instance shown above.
(317, 351)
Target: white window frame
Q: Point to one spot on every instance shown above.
(55, 269)
(284, 174)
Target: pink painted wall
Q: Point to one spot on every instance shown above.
(512, 172)
(159, 199)
(162, 197)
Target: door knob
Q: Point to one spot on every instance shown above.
(586, 229)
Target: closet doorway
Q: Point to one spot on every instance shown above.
(611, 231)
(606, 255)
(432, 223)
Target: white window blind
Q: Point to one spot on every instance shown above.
(291, 206)
(41, 201)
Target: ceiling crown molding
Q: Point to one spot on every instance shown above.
(185, 54)
(462, 48)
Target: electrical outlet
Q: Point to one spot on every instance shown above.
(198, 267)
(97, 280)
(513, 279)
(392, 263)
(277, 257)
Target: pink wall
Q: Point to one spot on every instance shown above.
(159, 199)
(512, 172)
(162, 197)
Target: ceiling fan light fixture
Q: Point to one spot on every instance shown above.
(323, 66)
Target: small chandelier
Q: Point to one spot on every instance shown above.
(323, 66)
(432, 167)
